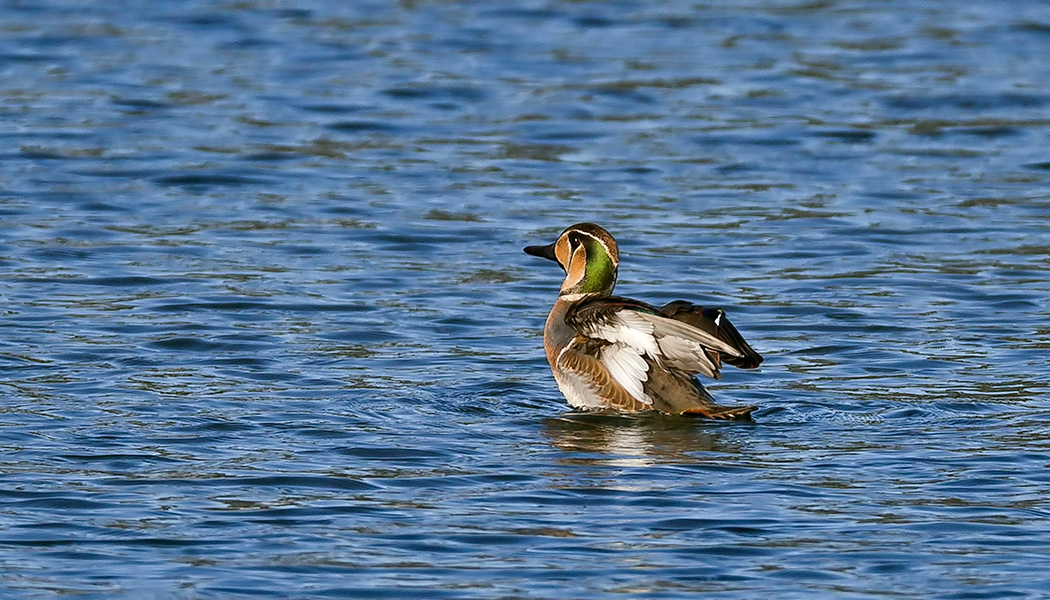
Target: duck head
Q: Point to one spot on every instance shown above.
(589, 257)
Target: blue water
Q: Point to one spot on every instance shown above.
(267, 330)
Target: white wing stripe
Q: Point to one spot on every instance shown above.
(670, 327)
(628, 368)
(630, 330)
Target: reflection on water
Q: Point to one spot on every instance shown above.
(635, 440)
(267, 329)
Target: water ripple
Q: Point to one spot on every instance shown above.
(269, 332)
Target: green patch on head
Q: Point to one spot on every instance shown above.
(600, 273)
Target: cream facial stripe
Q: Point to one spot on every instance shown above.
(561, 251)
(577, 267)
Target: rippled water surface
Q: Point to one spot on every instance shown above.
(267, 329)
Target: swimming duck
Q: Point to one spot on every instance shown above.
(612, 352)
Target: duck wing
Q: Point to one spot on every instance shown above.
(715, 322)
(636, 333)
(599, 373)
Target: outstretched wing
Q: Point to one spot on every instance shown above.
(636, 333)
(715, 322)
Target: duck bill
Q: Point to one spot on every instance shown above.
(542, 251)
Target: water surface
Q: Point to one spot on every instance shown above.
(267, 329)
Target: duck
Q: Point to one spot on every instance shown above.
(613, 353)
